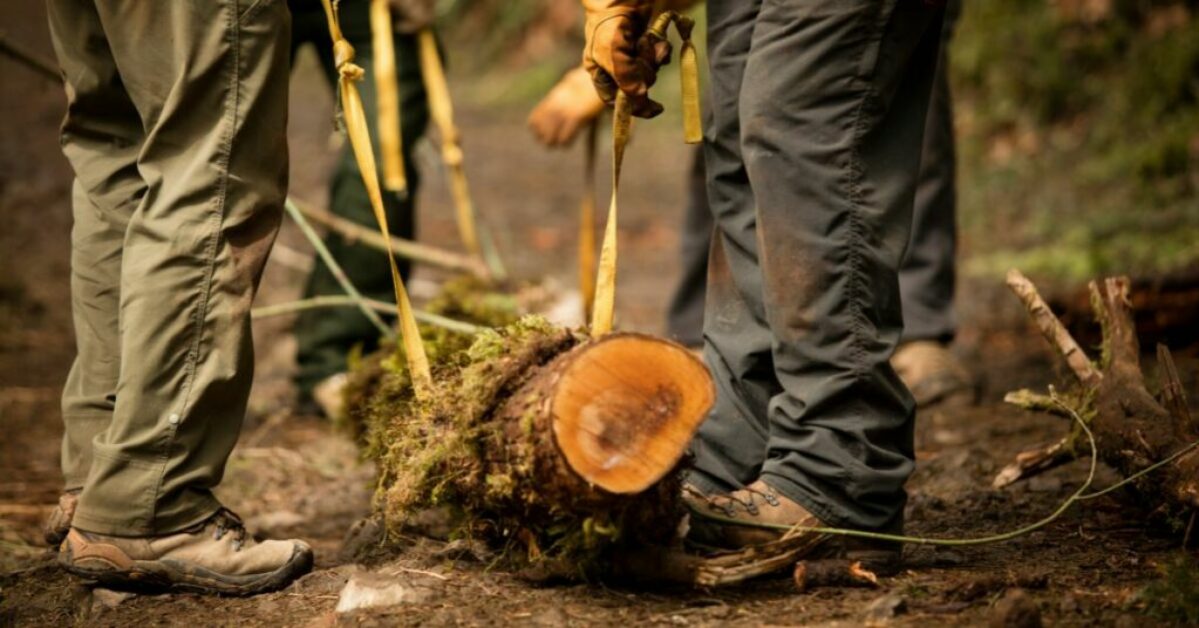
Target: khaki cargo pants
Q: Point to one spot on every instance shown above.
(175, 128)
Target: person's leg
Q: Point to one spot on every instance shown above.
(326, 337)
(101, 137)
(209, 81)
(731, 445)
(685, 317)
(926, 277)
(832, 115)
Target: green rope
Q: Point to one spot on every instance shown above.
(1078, 495)
(1153, 467)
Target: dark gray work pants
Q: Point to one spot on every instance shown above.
(926, 276)
(812, 157)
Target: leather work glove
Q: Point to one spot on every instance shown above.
(617, 58)
(412, 16)
(572, 103)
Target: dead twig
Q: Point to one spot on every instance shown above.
(407, 249)
(1052, 328)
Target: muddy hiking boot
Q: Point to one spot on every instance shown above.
(59, 522)
(934, 374)
(214, 556)
(714, 523)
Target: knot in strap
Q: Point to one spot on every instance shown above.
(343, 60)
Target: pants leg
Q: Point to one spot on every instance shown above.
(685, 317)
(927, 275)
(101, 135)
(813, 225)
(326, 337)
(209, 83)
(730, 446)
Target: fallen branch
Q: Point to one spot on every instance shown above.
(336, 270)
(812, 574)
(1035, 461)
(382, 307)
(1052, 328)
(431, 255)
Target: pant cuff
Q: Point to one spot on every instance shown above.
(706, 484)
(177, 519)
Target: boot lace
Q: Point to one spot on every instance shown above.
(727, 504)
(225, 521)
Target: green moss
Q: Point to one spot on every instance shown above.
(451, 449)
(381, 379)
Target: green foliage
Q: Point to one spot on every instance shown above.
(1078, 136)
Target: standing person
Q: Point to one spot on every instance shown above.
(926, 277)
(812, 156)
(176, 131)
(326, 337)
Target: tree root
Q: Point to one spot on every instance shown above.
(1133, 428)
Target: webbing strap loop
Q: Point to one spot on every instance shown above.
(604, 308)
(360, 142)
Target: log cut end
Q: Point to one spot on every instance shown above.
(625, 409)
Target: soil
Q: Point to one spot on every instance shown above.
(293, 475)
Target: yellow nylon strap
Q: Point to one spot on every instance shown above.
(391, 138)
(441, 110)
(587, 223)
(605, 283)
(603, 311)
(693, 131)
(360, 142)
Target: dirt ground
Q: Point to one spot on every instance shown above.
(292, 475)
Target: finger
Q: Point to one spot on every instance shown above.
(538, 122)
(632, 75)
(566, 131)
(605, 86)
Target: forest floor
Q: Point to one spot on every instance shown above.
(292, 475)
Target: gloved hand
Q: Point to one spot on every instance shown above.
(617, 58)
(413, 15)
(572, 103)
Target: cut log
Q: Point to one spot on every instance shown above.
(624, 409)
(606, 418)
(543, 437)
(1133, 429)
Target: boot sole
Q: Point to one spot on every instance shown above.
(174, 577)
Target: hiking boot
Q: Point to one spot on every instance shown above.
(59, 522)
(735, 520)
(934, 374)
(214, 556)
(758, 503)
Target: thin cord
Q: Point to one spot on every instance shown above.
(1078, 495)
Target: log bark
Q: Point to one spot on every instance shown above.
(566, 445)
(1133, 429)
